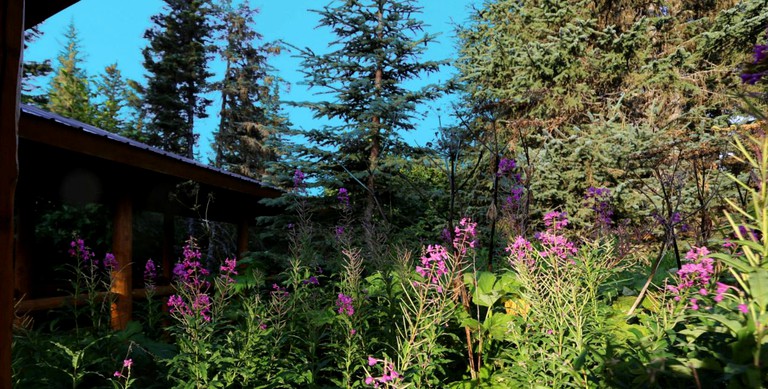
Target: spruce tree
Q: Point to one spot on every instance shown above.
(249, 107)
(112, 91)
(376, 50)
(31, 70)
(69, 93)
(176, 59)
(593, 88)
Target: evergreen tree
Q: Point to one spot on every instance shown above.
(69, 93)
(31, 70)
(176, 60)
(249, 102)
(376, 50)
(112, 90)
(591, 89)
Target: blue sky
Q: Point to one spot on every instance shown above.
(112, 31)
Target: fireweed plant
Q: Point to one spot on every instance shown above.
(427, 307)
(197, 310)
(560, 323)
(92, 277)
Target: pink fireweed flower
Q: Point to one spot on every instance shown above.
(343, 197)
(464, 235)
(109, 261)
(520, 253)
(506, 165)
(117, 374)
(694, 304)
(128, 363)
(695, 275)
(202, 306)
(720, 291)
(177, 305)
(743, 308)
(150, 273)
(79, 250)
(228, 269)
(556, 245)
(433, 263)
(389, 373)
(279, 292)
(556, 220)
(298, 179)
(344, 303)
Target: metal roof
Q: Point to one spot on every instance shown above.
(87, 128)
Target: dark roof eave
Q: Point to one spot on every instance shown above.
(44, 127)
(37, 11)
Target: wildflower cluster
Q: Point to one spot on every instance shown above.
(520, 253)
(343, 197)
(192, 284)
(506, 165)
(758, 68)
(552, 242)
(389, 376)
(298, 180)
(79, 250)
(695, 276)
(433, 264)
(464, 235)
(344, 305)
(599, 201)
(150, 274)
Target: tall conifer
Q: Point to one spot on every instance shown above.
(69, 93)
(249, 108)
(31, 70)
(376, 49)
(176, 59)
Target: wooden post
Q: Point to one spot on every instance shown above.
(242, 237)
(122, 244)
(11, 51)
(25, 240)
(168, 260)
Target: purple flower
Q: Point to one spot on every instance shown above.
(372, 361)
(312, 280)
(520, 253)
(433, 263)
(506, 165)
(343, 197)
(743, 308)
(298, 179)
(464, 234)
(344, 303)
(228, 269)
(128, 363)
(117, 374)
(150, 273)
(109, 261)
(720, 291)
(556, 220)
